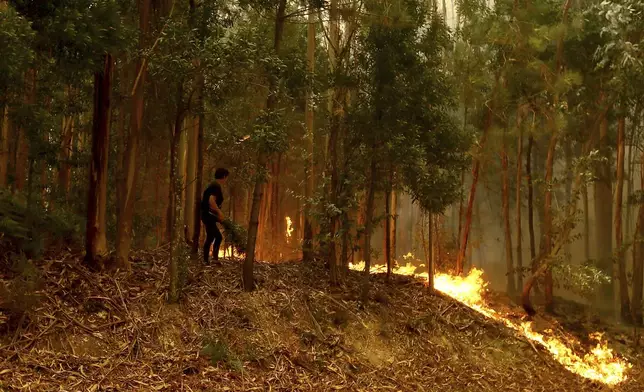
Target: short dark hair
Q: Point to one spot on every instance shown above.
(221, 173)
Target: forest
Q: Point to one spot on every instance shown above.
(423, 194)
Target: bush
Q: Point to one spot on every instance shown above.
(235, 235)
(32, 229)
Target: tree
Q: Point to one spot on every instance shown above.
(98, 166)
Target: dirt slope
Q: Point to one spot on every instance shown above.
(94, 332)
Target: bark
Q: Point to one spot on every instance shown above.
(174, 221)
(461, 209)
(586, 222)
(506, 220)
(371, 196)
(430, 255)
(548, 231)
(183, 129)
(332, 149)
(307, 254)
(476, 168)
(128, 186)
(21, 166)
(638, 261)
(65, 154)
(603, 213)
(394, 224)
(518, 206)
(387, 236)
(528, 172)
(271, 102)
(98, 163)
(621, 262)
(198, 181)
(191, 184)
(4, 148)
(567, 145)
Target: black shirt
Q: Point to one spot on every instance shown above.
(215, 190)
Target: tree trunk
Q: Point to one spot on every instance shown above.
(307, 248)
(548, 231)
(191, 185)
(506, 219)
(476, 168)
(262, 160)
(387, 236)
(198, 180)
(461, 209)
(128, 187)
(371, 196)
(603, 213)
(332, 149)
(430, 254)
(394, 224)
(567, 145)
(638, 260)
(528, 172)
(65, 170)
(621, 262)
(584, 194)
(4, 148)
(175, 206)
(98, 163)
(518, 206)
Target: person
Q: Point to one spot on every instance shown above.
(211, 214)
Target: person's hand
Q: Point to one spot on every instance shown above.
(222, 217)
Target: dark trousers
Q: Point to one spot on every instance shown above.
(212, 235)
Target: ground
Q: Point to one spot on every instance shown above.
(115, 332)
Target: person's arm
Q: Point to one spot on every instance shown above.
(213, 206)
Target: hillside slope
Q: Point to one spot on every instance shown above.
(94, 332)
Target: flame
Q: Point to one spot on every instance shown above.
(289, 227)
(600, 364)
(227, 252)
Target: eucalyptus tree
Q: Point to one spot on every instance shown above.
(403, 109)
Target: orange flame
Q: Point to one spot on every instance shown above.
(599, 365)
(289, 227)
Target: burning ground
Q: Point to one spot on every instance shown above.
(100, 332)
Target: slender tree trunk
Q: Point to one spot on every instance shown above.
(548, 232)
(528, 172)
(567, 145)
(586, 223)
(638, 260)
(4, 148)
(175, 206)
(506, 220)
(191, 185)
(307, 253)
(21, 166)
(263, 158)
(394, 224)
(98, 164)
(461, 209)
(65, 170)
(518, 206)
(371, 196)
(621, 262)
(387, 236)
(603, 214)
(128, 187)
(430, 254)
(199, 180)
(332, 150)
(476, 167)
